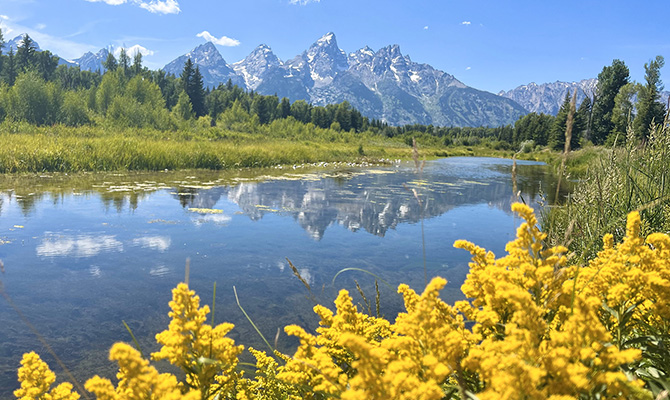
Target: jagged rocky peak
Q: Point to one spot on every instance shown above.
(15, 43)
(261, 54)
(256, 65)
(93, 62)
(361, 56)
(548, 97)
(325, 60)
(389, 60)
(206, 55)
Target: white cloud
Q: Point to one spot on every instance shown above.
(6, 18)
(468, 68)
(425, 27)
(110, 2)
(466, 23)
(302, 2)
(132, 50)
(161, 7)
(222, 41)
(154, 6)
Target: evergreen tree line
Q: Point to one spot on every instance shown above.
(35, 89)
(617, 108)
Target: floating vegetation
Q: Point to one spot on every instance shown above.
(205, 210)
(475, 183)
(162, 221)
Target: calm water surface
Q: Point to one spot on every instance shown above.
(82, 254)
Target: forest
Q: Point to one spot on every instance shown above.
(35, 90)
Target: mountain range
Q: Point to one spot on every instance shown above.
(382, 84)
(547, 98)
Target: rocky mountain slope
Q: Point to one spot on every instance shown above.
(382, 84)
(547, 98)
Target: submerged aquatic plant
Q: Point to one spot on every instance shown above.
(533, 328)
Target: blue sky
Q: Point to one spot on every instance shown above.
(487, 44)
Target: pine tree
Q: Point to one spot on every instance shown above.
(187, 75)
(284, 108)
(649, 109)
(45, 64)
(2, 44)
(581, 122)
(557, 134)
(25, 55)
(110, 63)
(197, 93)
(124, 61)
(137, 64)
(9, 70)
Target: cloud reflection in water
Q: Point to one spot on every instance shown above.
(79, 246)
(159, 243)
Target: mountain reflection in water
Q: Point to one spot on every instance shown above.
(84, 252)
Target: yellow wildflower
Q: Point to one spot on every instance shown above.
(208, 358)
(137, 380)
(36, 379)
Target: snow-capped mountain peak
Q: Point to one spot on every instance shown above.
(383, 84)
(257, 65)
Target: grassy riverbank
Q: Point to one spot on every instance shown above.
(27, 148)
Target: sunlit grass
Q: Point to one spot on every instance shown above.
(27, 148)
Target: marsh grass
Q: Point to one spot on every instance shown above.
(616, 182)
(28, 148)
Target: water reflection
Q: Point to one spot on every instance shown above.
(159, 243)
(374, 200)
(64, 245)
(97, 249)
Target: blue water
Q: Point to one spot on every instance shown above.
(82, 254)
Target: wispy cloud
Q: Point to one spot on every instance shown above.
(110, 2)
(468, 68)
(425, 27)
(154, 6)
(6, 30)
(132, 50)
(466, 23)
(65, 48)
(161, 7)
(302, 2)
(222, 41)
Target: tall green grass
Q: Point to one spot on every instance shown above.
(615, 182)
(28, 148)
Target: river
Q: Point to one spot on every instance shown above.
(83, 253)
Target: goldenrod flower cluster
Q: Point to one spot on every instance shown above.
(533, 327)
(137, 380)
(207, 357)
(36, 379)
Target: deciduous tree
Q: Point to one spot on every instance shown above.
(649, 109)
(610, 80)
